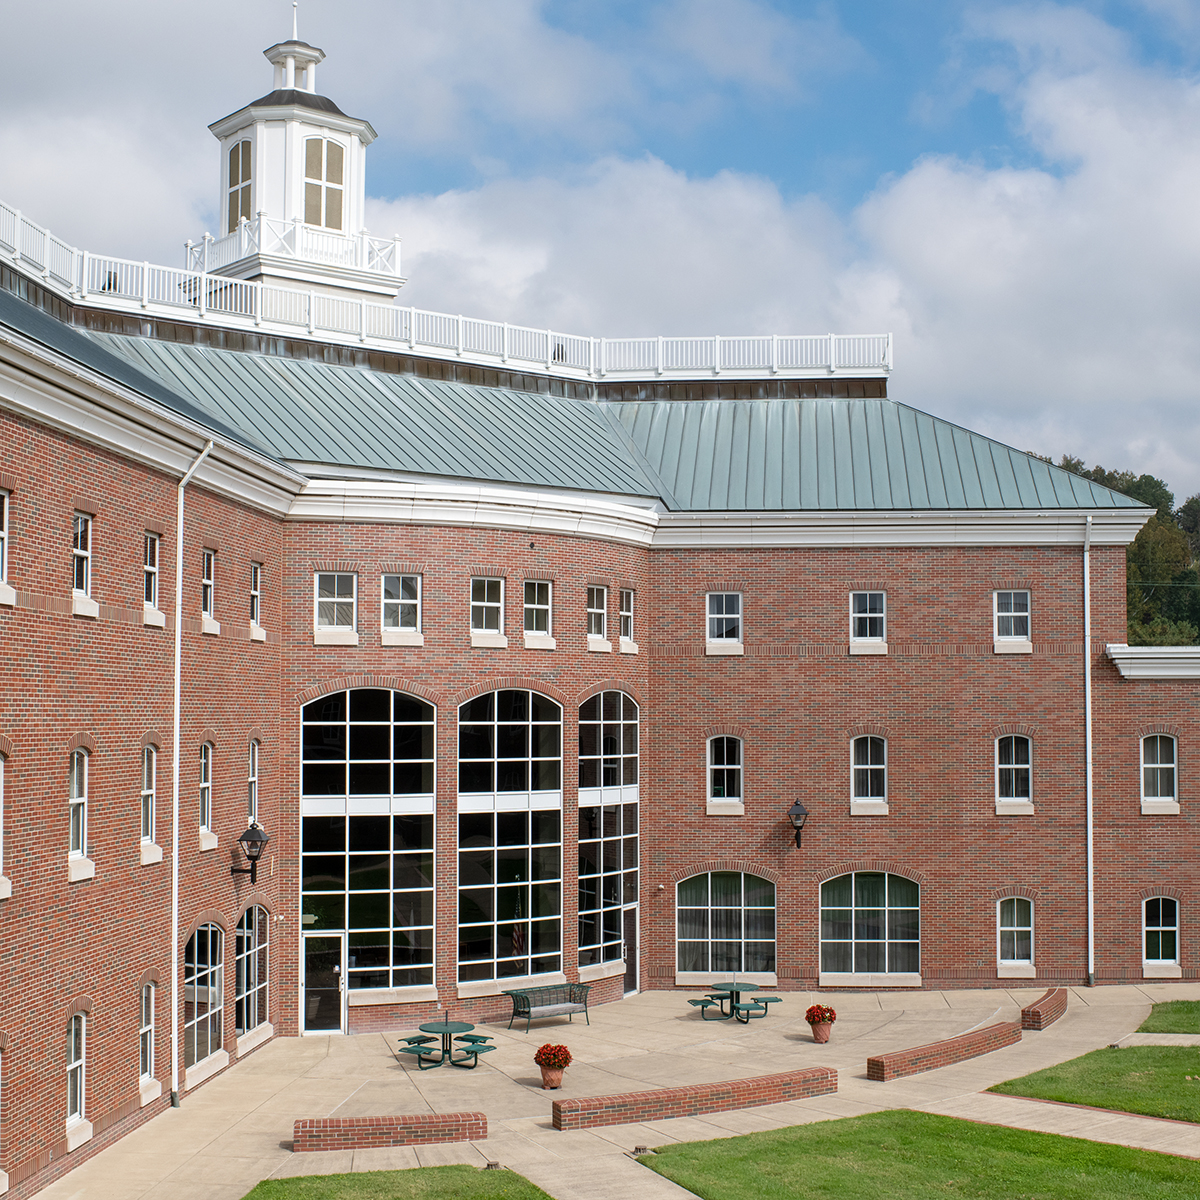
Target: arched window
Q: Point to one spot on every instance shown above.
(239, 183)
(1015, 931)
(509, 741)
(323, 170)
(203, 994)
(77, 791)
(608, 741)
(1014, 759)
(146, 1032)
(76, 1067)
(725, 768)
(725, 923)
(149, 788)
(205, 813)
(869, 770)
(252, 781)
(870, 924)
(251, 970)
(1160, 924)
(1158, 767)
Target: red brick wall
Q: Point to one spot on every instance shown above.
(358, 1133)
(1045, 1011)
(942, 1054)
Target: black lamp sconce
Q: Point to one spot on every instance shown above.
(797, 814)
(253, 842)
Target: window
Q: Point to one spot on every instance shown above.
(3, 537)
(608, 741)
(323, 166)
(207, 568)
(1012, 616)
(76, 1051)
(206, 786)
(725, 922)
(869, 770)
(336, 601)
(78, 802)
(626, 615)
(608, 878)
(251, 970)
(509, 894)
(870, 924)
(367, 742)
(1013, 768)
(1161, 925)
(725, 617)
(487, 599)
(868, 616)
(537, 607)
(372, 876)
(597, 612)
(150, 569)
(203, 994)
(252, 782)
(1016, 931)
(1158, 767)
(725, 768)
(239, 183)
(149, 768)
(402, 602)
(146, 1032)
(81, 554)
(509, 741)
(255, 593)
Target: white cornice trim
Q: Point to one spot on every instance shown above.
(994, 527)
(1156, 662)
(48, 387)
(472, 505)
(316, 117)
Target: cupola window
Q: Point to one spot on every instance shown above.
(323, 168)
(239, 183)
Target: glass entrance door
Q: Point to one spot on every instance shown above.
(631, 951)
(324, 983)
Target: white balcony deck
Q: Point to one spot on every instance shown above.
(193, 293)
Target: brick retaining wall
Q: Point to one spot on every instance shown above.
(941, 1054)
(693, 1100)
(1045, 1011)
(358, 1133)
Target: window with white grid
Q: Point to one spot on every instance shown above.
(149, 789)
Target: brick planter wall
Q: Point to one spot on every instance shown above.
(359, 1133)
(1045, 1011)
(942, 1054)
(694, 1100)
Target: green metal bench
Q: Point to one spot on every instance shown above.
(556, 1000)
(427, 1056)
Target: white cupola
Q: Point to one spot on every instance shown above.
(293, 190)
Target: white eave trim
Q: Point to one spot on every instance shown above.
(955, 527)
(1156, 662)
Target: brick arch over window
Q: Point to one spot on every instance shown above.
(149, 975)
(152, 738)
(256, 899)
(343, 683)
(1144, 731)
(1023, 585)
(3, 1043)
(6, 746)
(83, 741)
(482, 686)
(735, 731)
(1173, 893)
(81, 1004)
(867, 729)
(1015, 727)
(726, 586)
(208, 735)
(207, 916)
(890, 868)
(745, 865)
(1008, 893)
(344, 568)
(610, 685)
(254, 735)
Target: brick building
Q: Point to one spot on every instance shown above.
(519, 646)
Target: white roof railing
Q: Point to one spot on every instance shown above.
(124, 285)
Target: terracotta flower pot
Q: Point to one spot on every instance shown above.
(552, 1077)
(821, 1030)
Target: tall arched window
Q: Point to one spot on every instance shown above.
(251, 970)
(1158, 767)
(203, 994)
(76, 1067)
(1160, 925)
(205, 808)
(1014, 768)
(725, 923)
(870, 924)
(149, 786)
(1015, 931)
(869, 769)
(239, 183)
(509, 741)
(77, 791)
(252, 781)
(324, 164)
(725, 768)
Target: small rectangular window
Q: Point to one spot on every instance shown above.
(402, 602)
(1016, 931)
(487, 602)
(255, 593)
(81, 554)
(626, 615)
(1012, 616)
(149, 788)
(76, 1049)
(868, 616)
(336, 601)
(537, 607)
(206, 786)
(150, 569)
(207, 570)
(146, 1032)
(252, 783)
(3, 537)
(77, 802)
(597, 612)
(724, 617)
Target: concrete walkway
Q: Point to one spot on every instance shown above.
(237, 1129)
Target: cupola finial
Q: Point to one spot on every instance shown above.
(295, 32)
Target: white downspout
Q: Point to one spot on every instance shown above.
(1087, 725)
(175, 775)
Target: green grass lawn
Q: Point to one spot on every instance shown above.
(1151, 1080)
(916, 1156)
(420, 1183)
(1176, 1016)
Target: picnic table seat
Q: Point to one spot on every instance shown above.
(555, 1000)
(427, 1056)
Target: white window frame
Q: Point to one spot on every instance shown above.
(328, 627)
(149, 793)
(4, 505)
(204, 991)
(81, 554)
(626, 601)
(1014, 804)
(1159, 803)
(1160, 968)
(868, 804)
(252, 969)
(252, 780)
(208, 569)
(1014, 967)
(867, 643)
(539, 607)
(394, 606)
(725, 805)
(597, 612)
(150, 554)
(239, 194)
(1012, 643)
(205, 787)
(717, 638)
(77, 1068)
(325, 185)
(483, 607)
(256, 593)
(5, 882)
(77, 803)
(146, 1032)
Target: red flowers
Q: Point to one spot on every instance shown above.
(554, 1056)
(820, 1014)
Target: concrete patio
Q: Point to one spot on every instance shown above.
(237, 1129)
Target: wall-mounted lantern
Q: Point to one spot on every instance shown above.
(797, 814)
(253, 842)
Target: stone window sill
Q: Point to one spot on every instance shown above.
(151, 853)
(724, 648)
(150, 1090)
(497, 987)
(79, 1133)
(1161, 971)
(628, 647)
(5, 887)
(1015, 646)
(153, 617)
(873, 982)
(335, 637)
(80, 868)
(84, 606)
(725, 808)
(255, 1038)
(1016, 971)
(594, 971)
(540, 641)
(218, 1060)
(209, 627)
(489, 641)
(208, 840)
(868, 648)
(868, 808)
(365, 997)
(1160, 808)
(599, 645)
(3, 1182)
(1014, 808)
(8, 595)
(402, 637)
(710, 978)
(257, 633)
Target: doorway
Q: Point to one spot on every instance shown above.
(631, 954)
(324, 983)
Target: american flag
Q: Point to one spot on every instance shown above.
(518, 934)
